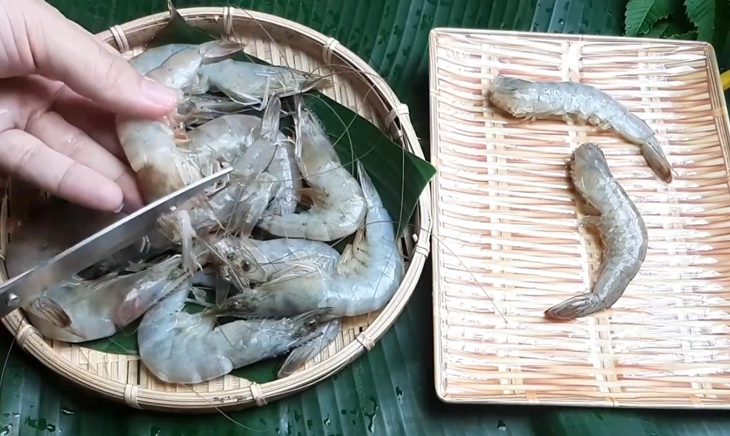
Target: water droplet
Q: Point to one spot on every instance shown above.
(327, 420)
(6, 430)
(16, 414)
(501, 426)
(343, 411)
(398, 392)
(561, 22)
(310, 424)
(67, 411)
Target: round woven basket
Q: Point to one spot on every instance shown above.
(357, 86)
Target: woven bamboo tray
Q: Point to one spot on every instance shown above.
(357, 86)
(507, 244)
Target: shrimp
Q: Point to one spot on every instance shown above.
(253, 84)
(365, 279)
(84, 310)
(150, 145)
(179, 347)
(623, 232)
(260, 261)
(246, 83)
(153, 57)
(533, 100)
(338, 207)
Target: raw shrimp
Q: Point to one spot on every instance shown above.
(249, 259)
(153, 57)
(80, 310)
(179, 347)
(622, 228)
(246, 83)
(533, 100)
(338, 207)
(367, 275)
(253, 84)
(150, 145)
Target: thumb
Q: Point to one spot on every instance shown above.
(64, 51)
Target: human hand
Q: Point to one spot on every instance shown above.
(59, 90)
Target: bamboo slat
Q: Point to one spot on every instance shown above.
(356, 85)
(507, 243)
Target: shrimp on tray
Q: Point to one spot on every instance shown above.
(622, 229)
(533, 100)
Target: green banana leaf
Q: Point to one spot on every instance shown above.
(390, 390)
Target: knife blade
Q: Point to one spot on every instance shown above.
(21, 289)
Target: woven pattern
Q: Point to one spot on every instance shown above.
(507, 240)
(355, 85)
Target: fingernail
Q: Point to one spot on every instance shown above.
(119, 208)
(158, 94)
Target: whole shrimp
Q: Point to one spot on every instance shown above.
(338, 207)
(84, 310)
(253, 84)
(533, 100)
(179, 347)
(622, 228)
(150, 145)
(246, 83)
(367, 275)
(244, 260)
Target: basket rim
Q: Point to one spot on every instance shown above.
(31, 341)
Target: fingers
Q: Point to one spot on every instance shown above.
(51, 129)
(98, 123)
(27, 157)
(66, 52)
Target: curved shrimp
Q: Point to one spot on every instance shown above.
(623, 232)
(82, 310)
(150, 145)
(179, 347)
(368, 274)
(338, 207)
(525, 99)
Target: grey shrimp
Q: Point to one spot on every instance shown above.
(533, 100)
(622, 229)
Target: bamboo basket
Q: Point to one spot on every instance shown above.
(507, 241)
(356, 85)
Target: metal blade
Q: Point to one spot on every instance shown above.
(23, 288)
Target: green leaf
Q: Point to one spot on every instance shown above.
(686, 36)
(657, 31)
(702, 15)
(642, 14)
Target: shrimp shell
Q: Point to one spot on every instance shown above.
(622, 229)
(546, 100)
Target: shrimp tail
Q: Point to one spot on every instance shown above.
(656, 159)
(576, 307)
(50, 311)
(326, 333)
(218, 50)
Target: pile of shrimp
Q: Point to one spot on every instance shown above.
(254, 254)
(619, 222)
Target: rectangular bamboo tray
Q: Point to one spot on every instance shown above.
(507, 243)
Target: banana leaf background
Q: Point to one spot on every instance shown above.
(389, 390)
